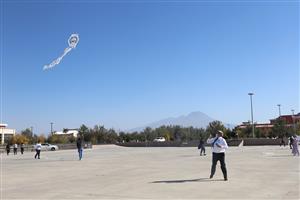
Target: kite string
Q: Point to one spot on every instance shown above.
(1, 63)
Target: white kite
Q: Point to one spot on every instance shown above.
(73, 41)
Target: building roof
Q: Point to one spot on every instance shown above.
(3, 125)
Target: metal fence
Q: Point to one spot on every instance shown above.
(230, 142)
(194, 143)
(30, 147)
(263, 141)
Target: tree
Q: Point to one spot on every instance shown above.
(112, 136)
(232, 134)
(297, 128)
(41, 138)
(258, 133)
(59, 139)
(83, 132)
(99, 134)
(28, 134)
(177, 133)
(279, 128)
(164, 132)
(214, 126)
(244, 132)
(150, 134)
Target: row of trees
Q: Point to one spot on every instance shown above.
(101, 135)
(177, 133)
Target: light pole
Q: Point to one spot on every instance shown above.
(251, 94)
(279, 109)
(31, 130)
(293, 117)
(51, 128)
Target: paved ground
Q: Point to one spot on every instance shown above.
(112, 172)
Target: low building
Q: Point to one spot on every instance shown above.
(67, 132)
(266, 128)
(6, 133)
(288, 119)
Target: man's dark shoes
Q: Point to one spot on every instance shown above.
(211, 176)
(225, 179)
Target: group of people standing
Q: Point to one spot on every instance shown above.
(15, 148)
(38, 148)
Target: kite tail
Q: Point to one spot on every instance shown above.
(57, 61)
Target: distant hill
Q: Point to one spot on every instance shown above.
(195, 119)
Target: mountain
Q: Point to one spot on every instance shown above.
(195, 119)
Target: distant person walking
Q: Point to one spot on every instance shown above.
(291, 142)
(219, 145)
(38, 148)
(201, 146)
(295, 149)
(282, 142)
(15, 149)
(22, 148)
(79, 147)
(7, 148)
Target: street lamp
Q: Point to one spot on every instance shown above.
(31, 130)
(251, 94)
(51, 128)
(279, 109)
(293, 117)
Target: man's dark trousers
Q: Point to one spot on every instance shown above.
(221, 158)
(37, 154)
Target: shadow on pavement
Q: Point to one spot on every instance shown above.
(188, 180)
(280, 156)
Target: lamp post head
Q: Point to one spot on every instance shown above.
(293, 112)
(250, 93)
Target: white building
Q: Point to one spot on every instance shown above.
(6, 132)
(73, 132)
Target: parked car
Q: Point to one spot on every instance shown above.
(159, 139)
(48, 147)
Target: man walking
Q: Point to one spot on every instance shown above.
(22, 148)
(7, 148)
(219, 145)
(38, 148)
(202, 147)
(291, 142)
(15, 149)
(79, 147)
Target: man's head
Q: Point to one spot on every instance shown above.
(220, 133)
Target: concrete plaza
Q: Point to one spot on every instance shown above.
(113, 172)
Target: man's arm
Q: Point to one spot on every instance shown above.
(210, 140)
(222, 144)
(218, 145)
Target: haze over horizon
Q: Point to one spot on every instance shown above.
(139, 62)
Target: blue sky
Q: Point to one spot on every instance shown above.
(141, 61)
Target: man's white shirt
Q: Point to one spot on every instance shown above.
(221, 142)
(38, 146)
